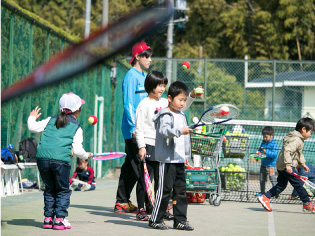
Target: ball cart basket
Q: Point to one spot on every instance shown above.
(205, 180)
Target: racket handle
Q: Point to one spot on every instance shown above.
(195, 126)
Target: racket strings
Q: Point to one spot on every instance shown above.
(216, 113)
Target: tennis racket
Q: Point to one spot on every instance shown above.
(92, 51)
(148, 183)
(305, 180)
(106, 156)
(258, 155)
(224, 112)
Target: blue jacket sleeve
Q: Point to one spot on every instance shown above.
(272, 150)
(129, 90)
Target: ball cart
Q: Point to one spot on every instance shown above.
(206, 178)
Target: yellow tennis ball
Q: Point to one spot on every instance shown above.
(198, 91)
(92, 120)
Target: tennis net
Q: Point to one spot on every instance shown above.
(241, 175)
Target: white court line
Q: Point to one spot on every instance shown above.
(271, 224)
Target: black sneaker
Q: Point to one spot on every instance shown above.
(183, 226)
(161, 226)
(168, 216)
(142, 215)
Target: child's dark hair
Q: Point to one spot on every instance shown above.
(308, 123)
(81, 160)
(268, 130)
(176, 88)
(146, 53)
(62, 119)
(153, 79)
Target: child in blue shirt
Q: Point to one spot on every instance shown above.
(268, 164)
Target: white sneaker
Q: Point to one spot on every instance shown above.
(61, 223)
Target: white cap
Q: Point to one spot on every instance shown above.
(70, 101)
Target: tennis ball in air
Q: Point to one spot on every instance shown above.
(186, 65)
(198, 91)
(224, 111)
(92, 120)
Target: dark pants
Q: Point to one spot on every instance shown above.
(282, 182)
(264, 172)
(171, 177)
(131, 173)
(55, 175)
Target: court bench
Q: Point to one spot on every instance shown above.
(10, 176)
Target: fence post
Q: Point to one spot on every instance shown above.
(47, 57)
(205, 85)
(273, 89)
(30, 67)
(174, 70)
(10, 74)
(245, 83)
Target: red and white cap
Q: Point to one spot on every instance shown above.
(137, 48)
(70, 101)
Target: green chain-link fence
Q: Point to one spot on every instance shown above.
(25, 44)
(263, 90)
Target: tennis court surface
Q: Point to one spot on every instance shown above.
(91, 213)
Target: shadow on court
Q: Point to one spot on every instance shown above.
(22, 222)
(92, 213)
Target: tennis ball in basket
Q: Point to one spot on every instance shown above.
(92, 120)
(186, 65)
(224, 111)
(198, 91)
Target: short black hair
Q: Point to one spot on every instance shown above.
(176, 88)
(308, 123)
(79, 160)
(268, 130)
(146, 53)
(153, 79)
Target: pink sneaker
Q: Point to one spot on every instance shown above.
(48, 223)
(265, 202)
(61, 223)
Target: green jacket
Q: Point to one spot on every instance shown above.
(56, 143)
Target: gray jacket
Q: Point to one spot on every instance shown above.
(165, 133)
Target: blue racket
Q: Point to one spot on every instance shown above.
(224, 112)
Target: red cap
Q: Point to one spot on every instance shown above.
(137, 48)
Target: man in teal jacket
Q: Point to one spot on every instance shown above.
(133, 92)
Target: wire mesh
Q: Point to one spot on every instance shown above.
(262, 90)
(241, 176)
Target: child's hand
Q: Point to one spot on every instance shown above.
(186, 164)
(90, 154)
(35, 112)
(192, 93)
(187, 130)
(289, 169)
(142, 153)
(305, 167)
(263, 150)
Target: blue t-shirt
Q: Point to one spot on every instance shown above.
(271, 151)
(133, 93)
